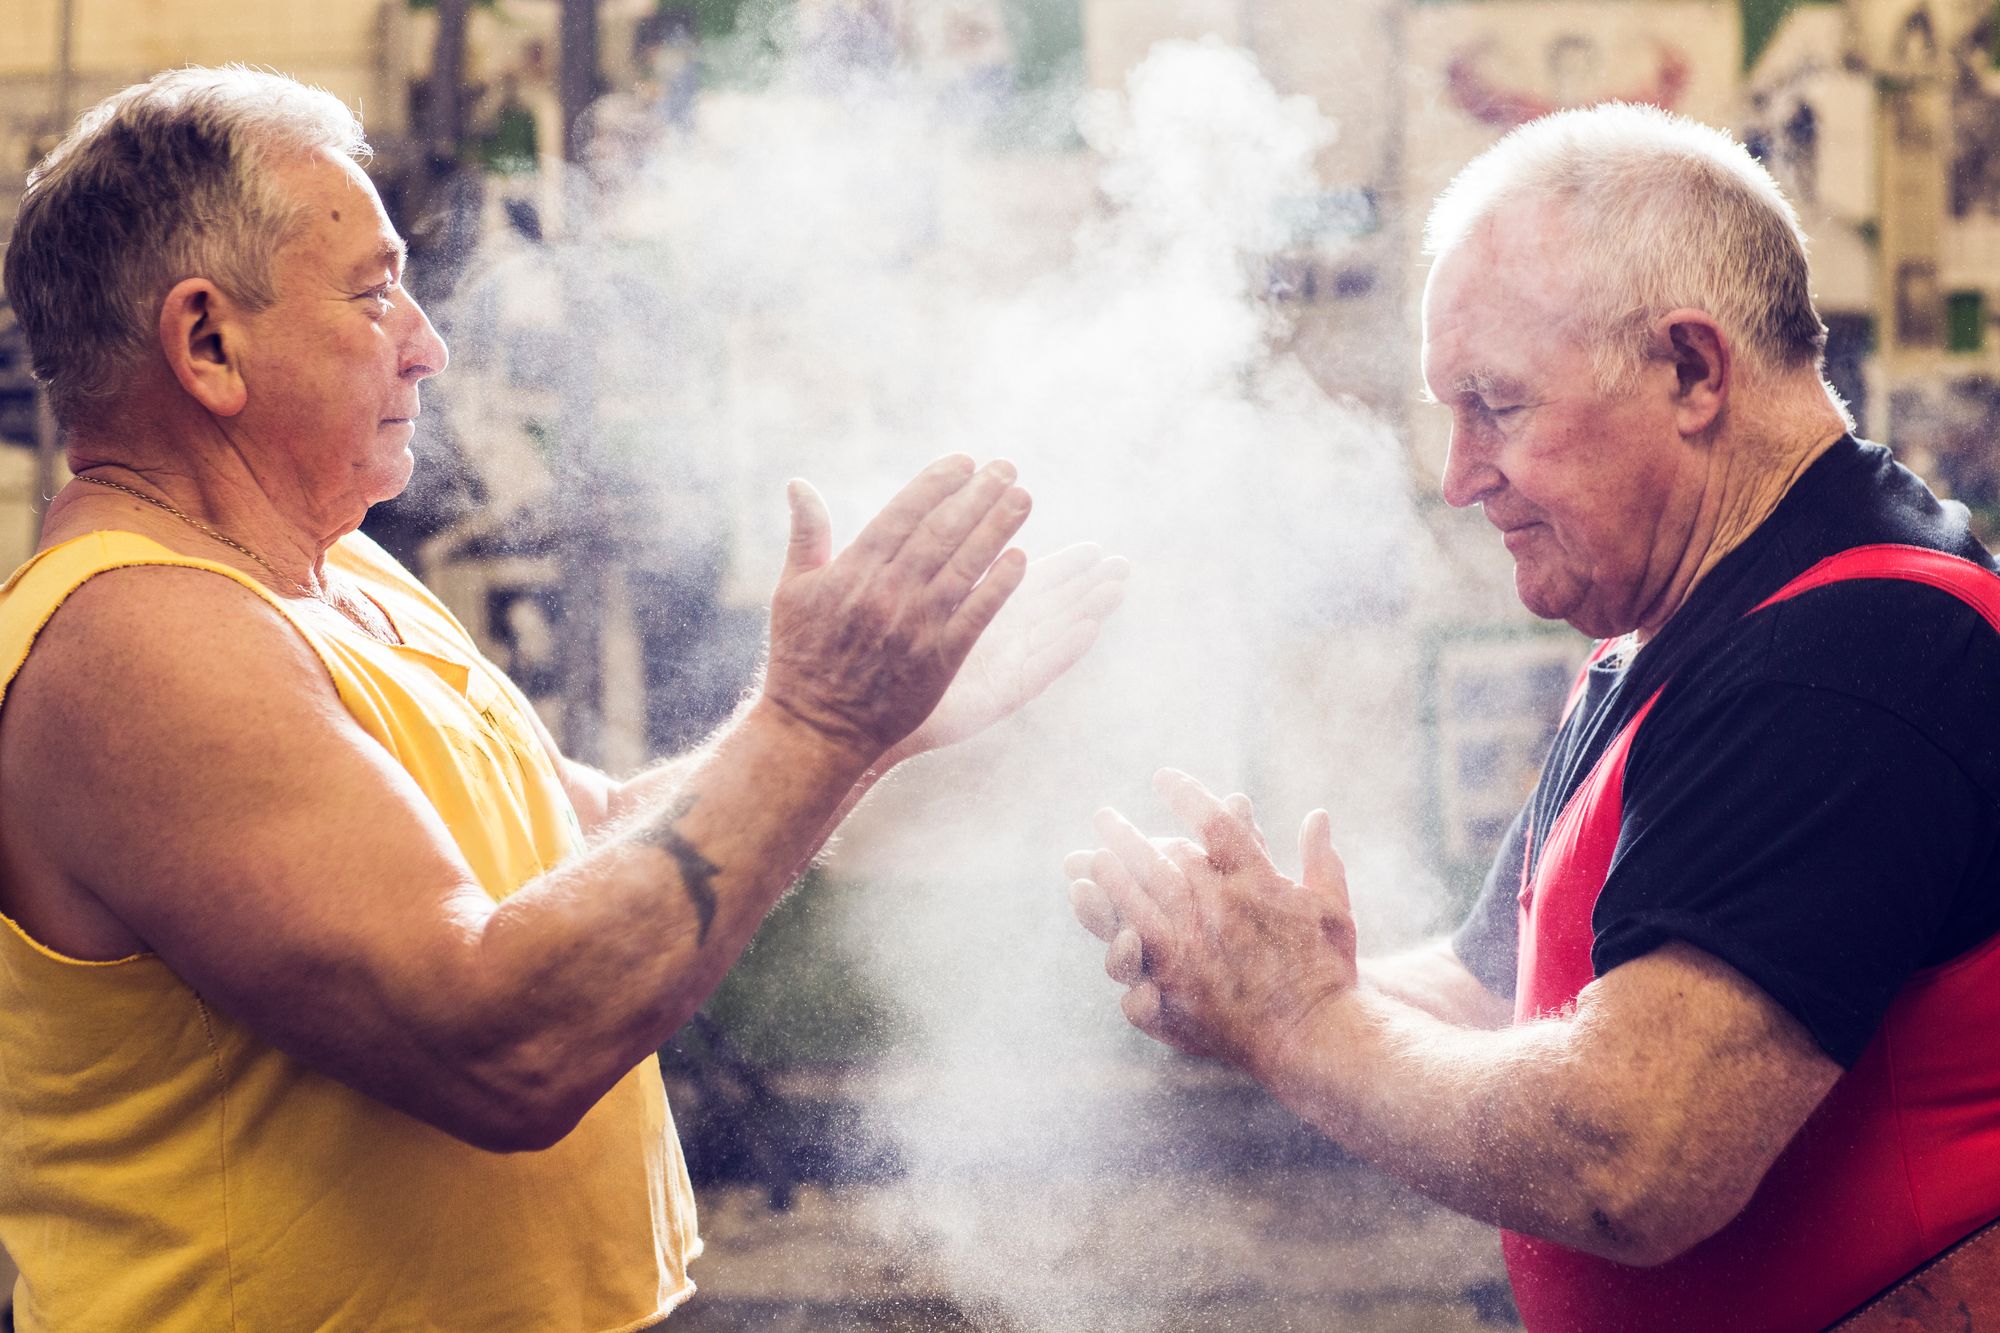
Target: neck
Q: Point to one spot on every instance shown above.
(221, 491)
(1751, 465)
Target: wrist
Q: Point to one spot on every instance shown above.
(1305, 1063)
(844, 755)
(905, 749)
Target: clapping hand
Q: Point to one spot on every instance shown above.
(1221, 954)
(863, 643)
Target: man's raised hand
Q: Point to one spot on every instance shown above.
(864, 643)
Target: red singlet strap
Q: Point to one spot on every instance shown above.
(1975, 585)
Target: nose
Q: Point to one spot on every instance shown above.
(1469, 473)
(424, 352)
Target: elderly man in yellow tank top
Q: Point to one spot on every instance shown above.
(328, 986)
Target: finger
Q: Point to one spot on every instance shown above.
(1114, 569)
(1239, 805)
(1132, 904)
(1146, 866)
(976, 612)
(1125, 960)
(1093, 908)
(1052, 571)
(1190, 856)
(812, 530)
(1104, 597)
(1143, 1011)
(964, 566)
(1090, 608)
(1230, 842)
(887, 531)
(1323, 870)
(953, 520)
(1077, 864)
(1101, 582)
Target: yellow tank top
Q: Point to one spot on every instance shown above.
(162, 1170)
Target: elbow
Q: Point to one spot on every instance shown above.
(520, 1100)
(1641, 1242)
(1649, 1219)
(516, 1129)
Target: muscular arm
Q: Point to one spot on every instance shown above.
(309, 889)
(1632, 1128)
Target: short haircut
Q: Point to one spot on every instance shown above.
(1662, 213)
(164, 181)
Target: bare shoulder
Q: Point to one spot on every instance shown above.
(147, 701)
(151, 647)
(177, 765)
(163, 717)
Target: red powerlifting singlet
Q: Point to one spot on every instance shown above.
(1901, 1160)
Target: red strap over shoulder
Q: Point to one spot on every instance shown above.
(1975, 585)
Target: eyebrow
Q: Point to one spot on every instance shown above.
(391, 256)
(1485, 385)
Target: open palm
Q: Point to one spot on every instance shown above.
(1045, 629)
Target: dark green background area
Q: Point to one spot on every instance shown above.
(796, 996)
(1047, 34)
(1760, 20)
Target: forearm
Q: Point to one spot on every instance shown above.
(1431, 978)
(586, 971)
(647, 790)
(1507, 1126)
(644, 791)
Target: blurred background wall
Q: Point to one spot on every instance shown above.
(683, 250)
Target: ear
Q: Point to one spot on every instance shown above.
(201, 333)
(1704, 367)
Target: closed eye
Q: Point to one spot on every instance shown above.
(380, 295)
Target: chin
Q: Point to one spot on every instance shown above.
(392, 477)
(1547, 603)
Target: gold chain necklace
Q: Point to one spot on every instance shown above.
(200, 526)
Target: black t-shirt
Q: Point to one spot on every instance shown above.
(1816, 798)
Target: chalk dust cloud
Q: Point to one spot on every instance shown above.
(867, 271)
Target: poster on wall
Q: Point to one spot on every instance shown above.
(1496, 697)
(1476, 70)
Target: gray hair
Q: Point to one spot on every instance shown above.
(1662, 213)
(166, 180)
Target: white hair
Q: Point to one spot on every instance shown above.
(162, 181)
(1661, 213)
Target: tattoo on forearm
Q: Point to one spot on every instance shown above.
(697, 871)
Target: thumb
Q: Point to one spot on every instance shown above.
(1322, 868)
(812, 531)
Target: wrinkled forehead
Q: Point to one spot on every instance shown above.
(1497, 298)
(342, 224)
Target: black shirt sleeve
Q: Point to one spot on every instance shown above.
(1488, 940)
(1814, 841)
